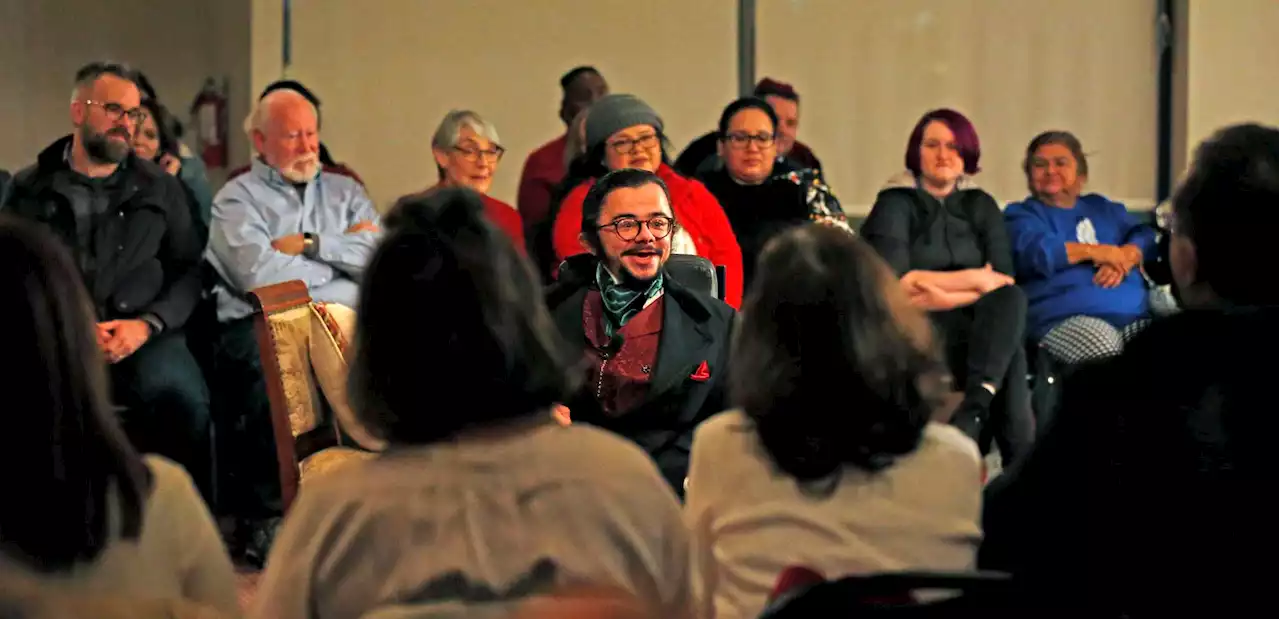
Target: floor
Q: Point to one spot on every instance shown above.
(246, 586)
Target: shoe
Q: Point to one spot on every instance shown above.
(970, 417)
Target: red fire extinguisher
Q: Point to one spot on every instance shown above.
(209, 117)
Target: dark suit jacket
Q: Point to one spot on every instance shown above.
(147, 252)
(695, 329)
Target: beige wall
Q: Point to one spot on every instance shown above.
(867, 70)
(387, 71)
(1228, 71)
(178, 43)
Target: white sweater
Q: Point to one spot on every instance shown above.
(750, 521)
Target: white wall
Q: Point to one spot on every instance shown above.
(867, 70)
(387, 71)
(1227, 71)
(178, 43)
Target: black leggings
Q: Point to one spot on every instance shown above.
(981, 339)
(983, 343)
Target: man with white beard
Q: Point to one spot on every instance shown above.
(284, 219)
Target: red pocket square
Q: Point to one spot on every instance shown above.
(702, 374)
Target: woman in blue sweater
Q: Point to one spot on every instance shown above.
(1076, 256)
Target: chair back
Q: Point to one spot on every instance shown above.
(902, 594)
(303, 348)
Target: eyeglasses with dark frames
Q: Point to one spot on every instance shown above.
(115, 111)
(627, 146)
(740, 141)
(628, 228)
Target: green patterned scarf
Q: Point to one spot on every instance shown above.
(620, 302)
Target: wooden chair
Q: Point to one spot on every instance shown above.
(303, 346)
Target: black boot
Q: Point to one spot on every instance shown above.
(972, 414)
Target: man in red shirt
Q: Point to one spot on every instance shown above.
(545, 167)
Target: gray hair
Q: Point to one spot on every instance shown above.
(446, 135)
(259, 115)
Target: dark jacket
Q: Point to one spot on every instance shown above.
(1151, 489)
(5, 181)
(695, 330)
(145, 250)
(914, 231)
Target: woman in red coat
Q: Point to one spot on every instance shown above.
(624, 132)
(467, 153)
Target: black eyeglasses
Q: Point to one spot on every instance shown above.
(625, 146)
(739, 141)
(628, 228)
(115, 111)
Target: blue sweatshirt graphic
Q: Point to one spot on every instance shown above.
(1057, 290)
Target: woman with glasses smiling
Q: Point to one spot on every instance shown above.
(760, 195)
(624, 132)
(467, 151)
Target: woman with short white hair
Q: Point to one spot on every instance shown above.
(467, 152)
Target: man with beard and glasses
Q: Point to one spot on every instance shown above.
(656, 352)
(284, 219)
(127, 223)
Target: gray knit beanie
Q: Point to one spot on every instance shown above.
(615, 113)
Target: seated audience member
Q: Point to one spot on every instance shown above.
(285, 219)
(701, 155)
(657, 351)
(624, 132)
(545, 167)
(129, 227)
(189, 168)
(155, 142)
(482, 506)
(1078, 257)
(326, 159)
(947, 241)
(467, 152)
(758, 201)
(1148, 495)
(84, 513)
(831, 462)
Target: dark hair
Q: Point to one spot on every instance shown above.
(746, 103)
(90, 73)
(450, 312)
(66, 451)
(164, 126)
(831, 362)
(966, 139)
(769, 87)
(144, 84)
(1227, 207)
(1061, 138)
(567, 79)
(607, 184)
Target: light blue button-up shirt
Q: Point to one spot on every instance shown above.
(259, 206)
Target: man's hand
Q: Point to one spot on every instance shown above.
(123, 338)
(363, 226)
(292, 244)
(1109, 276)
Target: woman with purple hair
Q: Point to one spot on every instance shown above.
(947, 242)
